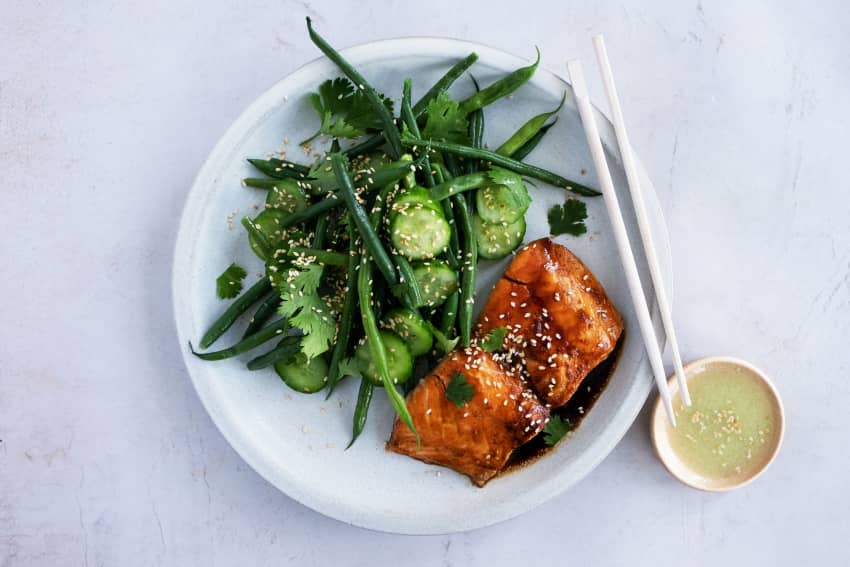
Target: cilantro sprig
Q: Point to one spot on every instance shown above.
(446, 121)
(307, 310)
(459, 391)
(568, 218)
(494, 339)
(556, 429)
(344, 110)
(229, 283)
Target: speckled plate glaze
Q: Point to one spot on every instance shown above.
(296, 441)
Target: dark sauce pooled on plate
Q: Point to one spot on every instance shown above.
(575, 410)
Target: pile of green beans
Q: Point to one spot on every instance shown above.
(351, 246)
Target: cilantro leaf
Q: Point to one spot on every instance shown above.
(345, 111)
(445, 120)
(307, 310)
(348, 366)
(501, 176)
(556, 429)
(443, 343)
(229, 283)
(459, 391)
(494, 339)
(568, 218)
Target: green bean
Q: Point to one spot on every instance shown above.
(506, 162)
(447, 321)
(370, 237)
(364, 179)
(387, 175)
(366, 146)
(263, 313)
(319, 232)
(286, 349)
(314, 210)
(444, 83)
(265, 247)
(361, 410)
(376, 345)
(377, 140)
(454, 241)
(451, 164)
(347, 316)
(476, 134)
(467, 182)
(529, 146)
(414, 292)
(390, 130)
(260, 182)
(326, 257)
(265, 334)
(237, 308)
(527, 131)
(469, 267)
(501, 88)
(410, 120)
(442, 175)
(279, 168)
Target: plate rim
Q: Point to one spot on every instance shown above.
(501, 511)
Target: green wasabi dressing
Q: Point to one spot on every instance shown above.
(730, 429)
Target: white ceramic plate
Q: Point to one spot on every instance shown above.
(296, 441)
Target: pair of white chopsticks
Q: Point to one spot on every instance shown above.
(588, 119)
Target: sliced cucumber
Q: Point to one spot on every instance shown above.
(410, 326)
(303, 376)
(413, 198)
(420, 232)
(268, 223)
(399, 359)
(497, 240)
(287, 196)
(437, 281)
(502, 203)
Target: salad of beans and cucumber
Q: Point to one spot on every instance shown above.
(371, 251)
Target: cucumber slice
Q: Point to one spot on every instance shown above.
(497, 240)
(502, 203)
(413, 198)
(268, 222)
(420, 232)
(303, 376)
(287, 196)
(399, 360)
(411, 327)
(437, 281)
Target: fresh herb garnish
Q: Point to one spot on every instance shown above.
(446, 121)
(556, 429)
(459, 391)
(568, 218)
(307, 310)
(229, 283)
(345, 111)
(494, 339)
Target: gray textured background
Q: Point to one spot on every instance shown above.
(738, 110)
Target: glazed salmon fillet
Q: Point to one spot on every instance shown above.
(560, 322)
(476, 439)
(560, 325)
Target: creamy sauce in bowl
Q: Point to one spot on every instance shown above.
(729, 435)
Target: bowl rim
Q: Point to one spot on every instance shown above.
(658, 423)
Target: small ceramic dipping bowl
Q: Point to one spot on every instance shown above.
(731, 432)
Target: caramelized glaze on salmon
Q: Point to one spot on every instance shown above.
(560, 324)
(476, 439)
